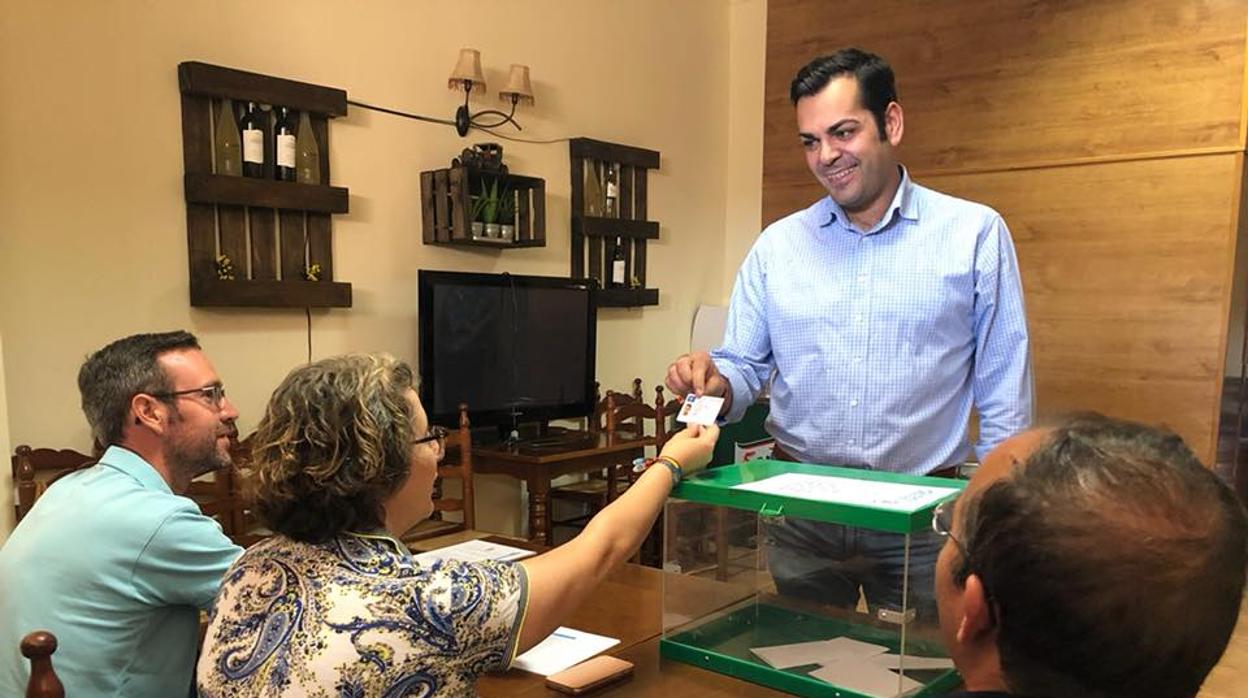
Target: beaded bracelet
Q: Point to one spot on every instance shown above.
(673, 465)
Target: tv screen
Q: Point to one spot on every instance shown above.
(513, 348)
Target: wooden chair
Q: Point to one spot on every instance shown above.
(43, 683)
(35, 469)
(246, 529)
(215, 497)
(457, 464)
(624, 417)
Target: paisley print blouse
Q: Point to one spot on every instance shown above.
(356, 616)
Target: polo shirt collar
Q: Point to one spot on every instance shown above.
(132, 464)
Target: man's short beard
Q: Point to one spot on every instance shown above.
(189, 461)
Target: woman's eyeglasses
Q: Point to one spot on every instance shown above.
(437, 434)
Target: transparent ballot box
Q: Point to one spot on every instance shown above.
(810, 579)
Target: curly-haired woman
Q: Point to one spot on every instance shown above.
(345, 463)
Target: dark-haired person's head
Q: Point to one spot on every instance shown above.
(159, 396)
(1098, 559)
(340, 449)
(877, 86)
(849, 124)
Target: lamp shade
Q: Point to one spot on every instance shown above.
(517, 86)
(467, 70)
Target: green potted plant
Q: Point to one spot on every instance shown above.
(507, 214)
(476, 213)
(489, 211)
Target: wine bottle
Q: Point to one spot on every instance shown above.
(253, 142)
(284, 146)
(593, 190)
(308, 155)
(617, 264)
(609, 208)
(227, 150)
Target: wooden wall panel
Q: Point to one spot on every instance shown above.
(1125, 303)
(1108, 133)
(993, 84)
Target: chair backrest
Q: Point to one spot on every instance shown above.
(598, 421)
(35, 469)
(43, 683)
(215, 497)
(458, 464)
(664, 417)
(626, 418)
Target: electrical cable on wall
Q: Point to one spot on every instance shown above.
(308, 312)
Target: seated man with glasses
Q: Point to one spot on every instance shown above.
(110, 559)
(1098, 558)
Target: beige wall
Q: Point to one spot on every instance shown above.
(747, 62)
(92, 221)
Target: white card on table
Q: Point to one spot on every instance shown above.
(700, 410)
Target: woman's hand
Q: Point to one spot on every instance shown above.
(692, 447)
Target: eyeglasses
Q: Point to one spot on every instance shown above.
(942, 523)
(213, 394)
(437, 434)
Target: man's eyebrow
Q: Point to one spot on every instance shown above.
(834, 127)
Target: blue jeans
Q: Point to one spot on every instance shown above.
(827, 563)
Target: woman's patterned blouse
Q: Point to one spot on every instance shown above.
(357, 616)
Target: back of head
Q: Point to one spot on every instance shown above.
(876, 84)
(119, 371)
(334, 443)
(1116, 562)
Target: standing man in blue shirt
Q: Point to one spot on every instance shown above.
(880, 316)
(111, 559)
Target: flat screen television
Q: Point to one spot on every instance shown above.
(514, 348)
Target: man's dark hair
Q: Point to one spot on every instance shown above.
(110, 377)
(876, 85)
(1115, 561)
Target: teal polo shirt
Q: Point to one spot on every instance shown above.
(117, 566)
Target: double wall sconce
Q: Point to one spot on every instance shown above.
(467, 76)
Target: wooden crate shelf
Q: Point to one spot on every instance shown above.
(627, 297)
(273, 232)
(446, 199)
(596, 238)
(264, 193)
(272, 293)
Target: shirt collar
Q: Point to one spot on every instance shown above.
(383, 536)
(132, 464)
(904, 204)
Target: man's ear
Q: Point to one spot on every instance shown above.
(977, 619)
(894, 123)
(147, 411)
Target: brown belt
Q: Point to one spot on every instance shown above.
(778, 453)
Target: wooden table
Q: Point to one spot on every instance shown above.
(538, 466)
(628, 606)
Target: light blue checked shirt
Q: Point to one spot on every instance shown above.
(880, 341)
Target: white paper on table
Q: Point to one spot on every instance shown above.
(893, 661)
(865, 677)
(817, 652)
(839, 490)
(473, 551)
(561, 649)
